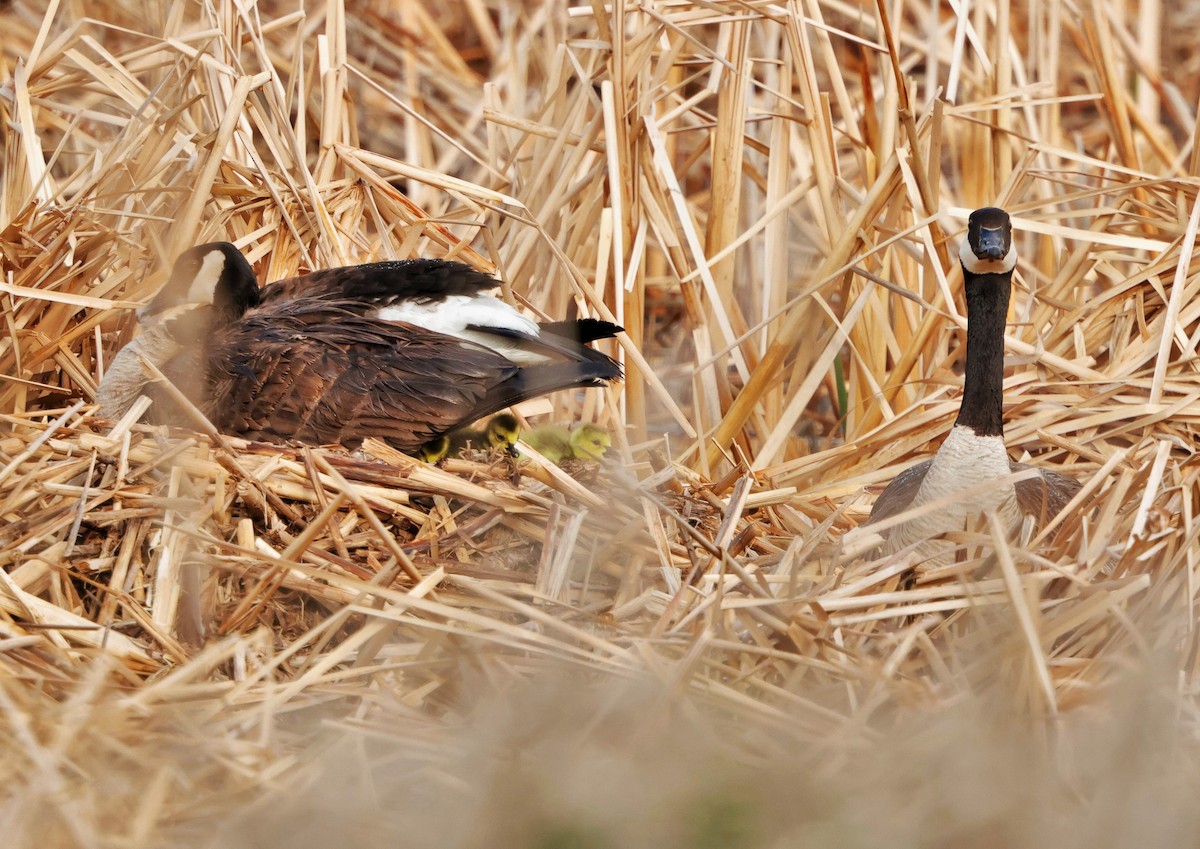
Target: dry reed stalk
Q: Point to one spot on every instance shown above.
(768, 197)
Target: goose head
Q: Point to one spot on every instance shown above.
(215, 274)
(590, 442)
(503, 431)
(988, 248)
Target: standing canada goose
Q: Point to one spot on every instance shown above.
(402, 351)
(973, 452)
(558, 443)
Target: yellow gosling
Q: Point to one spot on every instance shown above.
(435, 450)
(557, 443)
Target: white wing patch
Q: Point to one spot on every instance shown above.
(203, 289)
(975, 265)
(455, 313)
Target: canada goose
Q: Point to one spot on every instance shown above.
(557, 443)
(402, 351)
(973, 452)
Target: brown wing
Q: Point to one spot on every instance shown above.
(315, 372)
(899, 494)
(312, 372)
(1044, 496)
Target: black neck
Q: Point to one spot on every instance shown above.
(982, 407)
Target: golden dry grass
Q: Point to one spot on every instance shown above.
(206, 641)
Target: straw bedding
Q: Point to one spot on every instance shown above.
(767, 196)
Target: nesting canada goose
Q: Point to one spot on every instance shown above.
(402, 351)
(558, 443)
(973, 452)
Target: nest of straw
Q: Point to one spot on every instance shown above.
(768, 200)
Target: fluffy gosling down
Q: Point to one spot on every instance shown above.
(500, 434)
(401, 351)
(558, 443)
(973, 453)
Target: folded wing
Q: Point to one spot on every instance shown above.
(317, 371)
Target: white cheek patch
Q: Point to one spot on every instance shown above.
(975, 265)
(204, 285)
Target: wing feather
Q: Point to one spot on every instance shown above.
(898, 495)
(1044, 496)
(312, 371)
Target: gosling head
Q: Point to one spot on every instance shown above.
(503, 431)
(988, 248)
(590, 442)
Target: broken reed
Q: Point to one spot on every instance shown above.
(761, 194)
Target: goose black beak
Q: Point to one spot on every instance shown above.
(993, 244)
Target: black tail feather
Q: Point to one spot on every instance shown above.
(560, 338)
(582, 330)
(533, 381)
